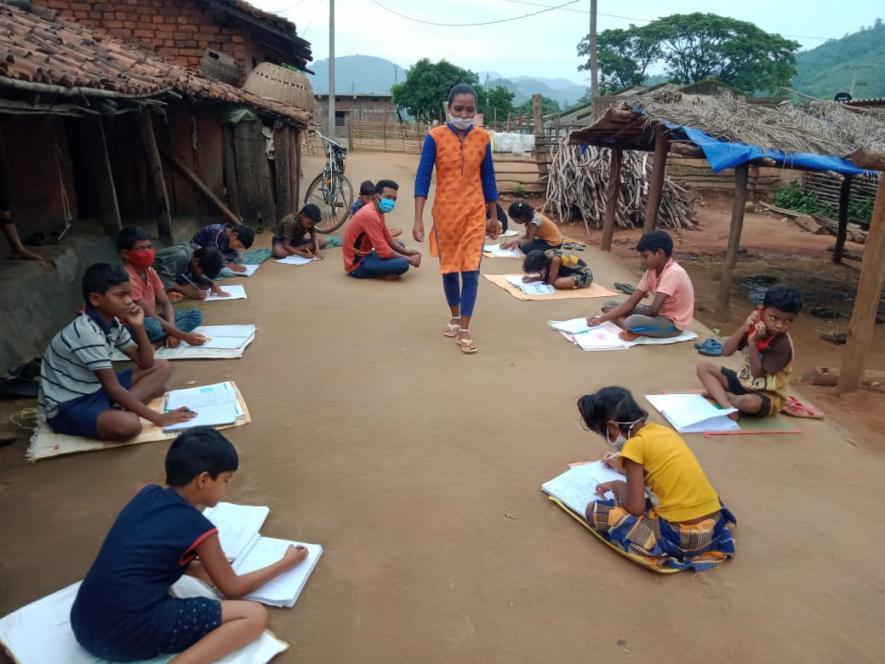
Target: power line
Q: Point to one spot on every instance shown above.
(634, 18)
(470, 25)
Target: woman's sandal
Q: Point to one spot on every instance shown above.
(452, 328)
(466, 343)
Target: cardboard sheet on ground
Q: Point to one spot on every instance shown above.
(40, 632)
(226, 342)
(607, 336)
(45, 443)
(234, 291)
(495, 251)
(575, 489)
(501, 280)
(295, 260)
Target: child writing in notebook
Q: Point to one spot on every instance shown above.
(231, 240)
(189, 271)
(563, 271)
(762, 386)
(123, 610)
(688, 527)
(296, 235)
(540, 234)
(671, 311)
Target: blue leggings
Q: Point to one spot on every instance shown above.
(462, 295)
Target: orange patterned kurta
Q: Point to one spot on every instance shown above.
(459, 209)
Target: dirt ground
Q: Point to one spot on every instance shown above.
(418, 469)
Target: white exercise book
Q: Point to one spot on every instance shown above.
(249, 271)
(497, 252)
(40, 633)
(692, 413)
(214, 405)
(608, 335)
(238, 526)
(285, 589)
(234, 292)
(509, 233)
(531, 287)
(576, 487)
(225, 336)
(295, 260)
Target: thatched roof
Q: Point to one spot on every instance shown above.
(818, 127)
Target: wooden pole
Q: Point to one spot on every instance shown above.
(538, 130)
(282, 150)
(509, 116)
(299, 138)
(734, 241)
(229, 167)
(844, 195)
(100, 165)
(611, 198)
(866, 300)
(155, 170)
(656, 187)
(201, 186)
(349, 120)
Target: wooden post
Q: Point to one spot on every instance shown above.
(734, 241)
(296, 168)
(384, 131)
(538, 131)
(229, 165)
(155, 170)
(611, 198)
(509, 116)
(844, 195)
(201, 186)
(350, 133)
(866, 300)
(100, 166)
(656, 186)
(284, 202)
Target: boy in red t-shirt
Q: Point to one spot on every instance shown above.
(161, 319)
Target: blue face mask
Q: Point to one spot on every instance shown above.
(386, 205)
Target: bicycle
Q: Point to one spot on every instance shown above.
(330, 190)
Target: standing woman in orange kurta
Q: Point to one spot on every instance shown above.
(465, 198)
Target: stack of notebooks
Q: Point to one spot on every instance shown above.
(247, 550)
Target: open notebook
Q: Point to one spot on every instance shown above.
(295, 259)
(234, 292)
(495, 251)
(576, 487)
(608, 335)
(215, 405)
(238, 532)
(531, 288)
(692, 413)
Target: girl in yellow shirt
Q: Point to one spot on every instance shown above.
(687, 527)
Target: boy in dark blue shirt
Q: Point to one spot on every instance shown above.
(123, 610)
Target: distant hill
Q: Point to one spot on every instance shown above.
(828, 69)
(367, 74)
(360, 74)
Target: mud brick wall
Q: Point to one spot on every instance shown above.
(180, 30)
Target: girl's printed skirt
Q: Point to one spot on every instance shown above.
(697, 546)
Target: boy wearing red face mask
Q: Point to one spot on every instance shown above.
(161, 319)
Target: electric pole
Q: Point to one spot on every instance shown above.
(594, 72)
(331, 128)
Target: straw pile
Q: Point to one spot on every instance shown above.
(577, 183)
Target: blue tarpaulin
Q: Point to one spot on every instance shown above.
(722, 155)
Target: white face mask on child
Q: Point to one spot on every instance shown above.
(618, 442)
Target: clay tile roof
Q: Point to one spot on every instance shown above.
(39, 47)
(273, 19)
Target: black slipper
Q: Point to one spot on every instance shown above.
(627, 289)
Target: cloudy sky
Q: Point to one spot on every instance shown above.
(541, 45)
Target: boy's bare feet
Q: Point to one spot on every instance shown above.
(628, 336)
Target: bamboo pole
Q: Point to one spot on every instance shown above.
(842, 233)
(100, 165)
(734, 241)
(866, 300)
(656, 187)
(155, 169)
(611, 198)
(201, 186)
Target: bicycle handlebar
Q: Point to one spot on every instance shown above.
(327, 139)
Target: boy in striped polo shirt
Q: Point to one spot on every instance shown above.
(80, 393)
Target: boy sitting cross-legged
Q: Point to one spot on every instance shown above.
(123, 610)
(763, 384)
(162, 321)
(80, 393)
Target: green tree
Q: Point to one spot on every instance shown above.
(623, 56)
(548, 106)
(427, 86)
(494, 103)
(696, 47)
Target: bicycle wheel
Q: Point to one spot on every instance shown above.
(333, 199)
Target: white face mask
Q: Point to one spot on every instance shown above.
(618, 442)
(461, 124)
